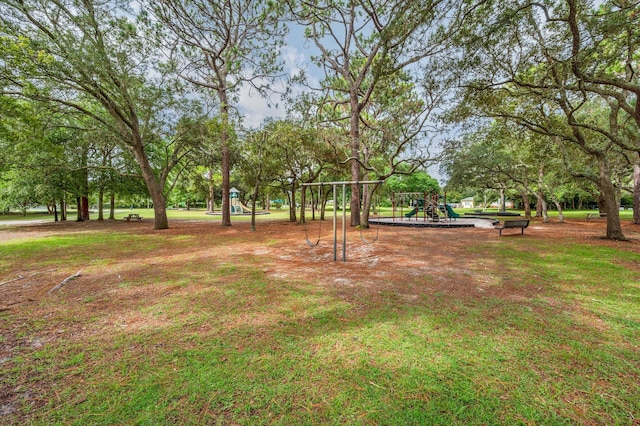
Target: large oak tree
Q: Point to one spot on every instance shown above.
(76, 52)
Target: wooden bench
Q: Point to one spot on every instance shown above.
(133, 216)
(513, 224)
(595, 216)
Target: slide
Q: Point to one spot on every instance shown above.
(450, 212)
(412, 212)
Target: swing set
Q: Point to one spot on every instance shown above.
(335, 215)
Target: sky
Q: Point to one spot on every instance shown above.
(296, 56)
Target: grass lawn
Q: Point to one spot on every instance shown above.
(274, 214)
(203, 324)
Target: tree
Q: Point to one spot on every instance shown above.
(362, 45)
(302, 155)
(604, 58)
(77, 53)
(219, 47)
(418, 181)
(259, 166)
(524, 74)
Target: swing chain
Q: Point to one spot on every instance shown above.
(364, 240)
(306, 230)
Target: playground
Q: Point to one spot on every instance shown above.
(208, 324)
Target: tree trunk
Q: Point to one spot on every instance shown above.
(314, 205)
(354, 133)
(636, 191)
(153, 186)
(211, 202)
(543, 207)
(84, 202)
(100, 204)
(559, 207)
(254, 198)
(608, 192)
(55, 211)
(63, 208)
(526, 203)
(602, 208)
(226, 159)
(303, 203)
(79, 209)
(323, 204)
(112, 206)
(84, 196)
(292, 204)
(539, 207)
(366, 207)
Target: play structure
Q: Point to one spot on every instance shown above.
(422, 206)
(236, 206)
(334, 186)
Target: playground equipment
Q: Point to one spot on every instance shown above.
(236, 207)
(335, 213)
(450, 212)
(429, 204)
(306, 230)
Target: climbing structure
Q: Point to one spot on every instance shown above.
(421, 205)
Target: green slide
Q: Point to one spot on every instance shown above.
(450, 212)
(412, 212)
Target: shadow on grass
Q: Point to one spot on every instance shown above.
(184, 335)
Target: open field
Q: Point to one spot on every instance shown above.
(282, 213)
(202, 324)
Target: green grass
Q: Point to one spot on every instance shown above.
(148, 214)
(275, 214)
(227, 344)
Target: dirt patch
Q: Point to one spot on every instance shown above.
(405, 259)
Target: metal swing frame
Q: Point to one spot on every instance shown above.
(344, 211)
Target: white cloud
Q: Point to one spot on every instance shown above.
(255, 108)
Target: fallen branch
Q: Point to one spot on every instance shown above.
(66, 280)
(20, 277)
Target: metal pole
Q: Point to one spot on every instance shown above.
(344, 222)
(344, 211)
(335, 221)
(393, 206)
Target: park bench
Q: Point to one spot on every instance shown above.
(513, 224)
(595, 216)
(133, 216)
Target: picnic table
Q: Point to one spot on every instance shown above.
(133, 216)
